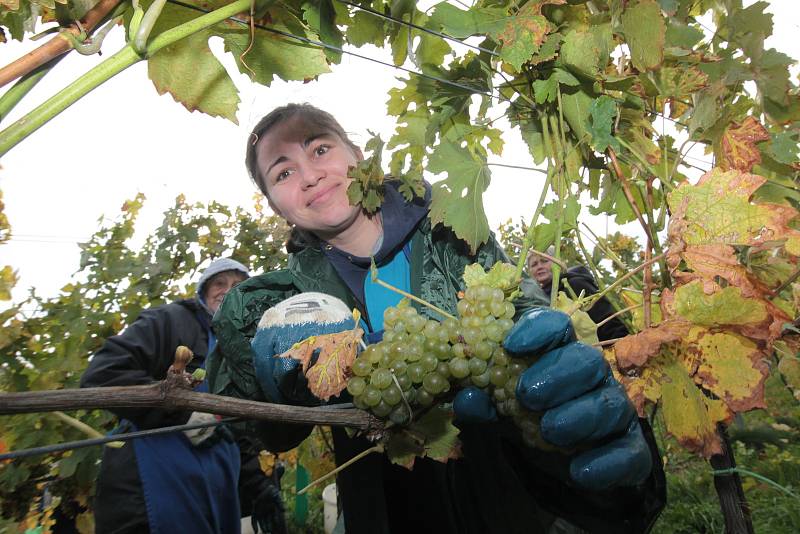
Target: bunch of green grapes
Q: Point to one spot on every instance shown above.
(420, 359)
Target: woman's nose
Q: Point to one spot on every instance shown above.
(311, 174)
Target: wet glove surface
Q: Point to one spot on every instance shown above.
(584, 407)
(289, 322)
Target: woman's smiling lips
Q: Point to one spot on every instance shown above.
(322, 196)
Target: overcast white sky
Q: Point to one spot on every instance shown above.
(124, 138)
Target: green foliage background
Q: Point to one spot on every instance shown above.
(118, 278)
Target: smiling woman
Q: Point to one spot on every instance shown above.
(301, 164)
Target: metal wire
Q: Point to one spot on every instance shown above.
(420, 28)
(69, 445)
(471, 89)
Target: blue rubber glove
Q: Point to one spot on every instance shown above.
(287, 323)
(583, 406)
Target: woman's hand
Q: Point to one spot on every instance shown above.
(291, 321)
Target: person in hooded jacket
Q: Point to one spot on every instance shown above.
(540, 269)
(181, 481)
(609, 479)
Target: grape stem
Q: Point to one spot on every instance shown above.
(403, 396)
(617, 314)
(390, 287)
(377, 448)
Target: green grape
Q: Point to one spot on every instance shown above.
(459, 367)
(442, 351)
(408, 313)
(433, 383)
(430, 345)
(415, 372)
(500, 394)
(390, 316)
(482, 309)
(511, 384)
(477, 366)
(472, 321)
(416, 324)
(472, 336)
(431, 329)
(399, 415)
(500, 357)
(483, 350)
(497, 295)
(391, 395)
(511, 311)
(499, 376)
(361, 366)
(423, 398)
(417, 338)
(429, 362)
(382, 409)
(399, 367)
(498, 308)
(481, 380)
(471, 294)
(386, 360)
(505, 324)
(516, 367)
(390, 336)
(359, 403)
(356, 386)
(405, 381)
(374, 353)
(411, 352)
(443, 368)
(458, 350)
(464, 308)
(371, 396)
(484, 293)
(380, 378)
(442, 335)
(494, 332)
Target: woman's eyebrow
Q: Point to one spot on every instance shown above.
(310, 139)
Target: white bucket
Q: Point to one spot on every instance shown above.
(329, 511)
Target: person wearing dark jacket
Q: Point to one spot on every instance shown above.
(611, 481)
(177, 482)
(540, 268)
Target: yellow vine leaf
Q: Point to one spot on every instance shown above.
(738, 144)
(327, 374)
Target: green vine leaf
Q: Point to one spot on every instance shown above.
(367, 185)
(189, 71)
(603, 112)
(644, 30)
(458, 201)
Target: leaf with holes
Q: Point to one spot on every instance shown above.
(327, 360)
(738, 145)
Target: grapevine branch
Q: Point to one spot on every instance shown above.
(56, 46)
(648, 281)
(172, 396)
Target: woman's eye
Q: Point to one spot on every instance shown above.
(321, 149)
(282, 175)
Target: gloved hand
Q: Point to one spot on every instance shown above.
(583, 406)
(287, 323)
(206, 436)
(268, 512)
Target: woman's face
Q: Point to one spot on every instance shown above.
(304, 169)
(540, 268)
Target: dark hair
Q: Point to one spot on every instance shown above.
(311, 114)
